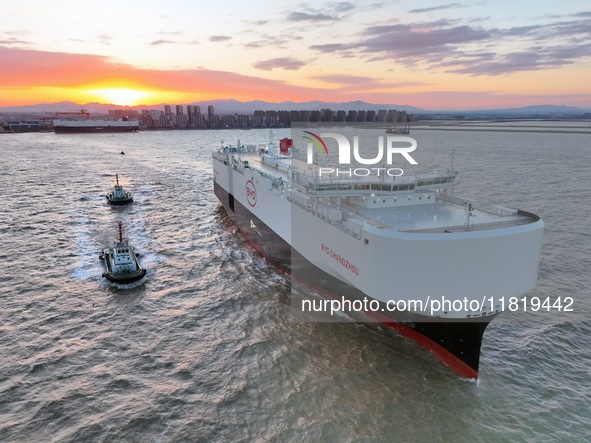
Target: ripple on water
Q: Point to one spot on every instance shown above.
(204, 348)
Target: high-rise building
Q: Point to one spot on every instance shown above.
(212, 121)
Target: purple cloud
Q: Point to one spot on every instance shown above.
(162, 42)
(281, 63)
(219, 38)
(342, 6)
(454, 46)
(304, 16)
(332, 47)
(14, 41)
(331, 12)
(360, 83)
(532, 60)
(414, 43)
(346, 79)
(437, 8)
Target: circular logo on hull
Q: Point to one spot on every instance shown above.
(251, 193)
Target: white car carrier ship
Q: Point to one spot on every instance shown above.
(80, 122)
(385, 239)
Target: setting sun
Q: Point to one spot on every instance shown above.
(121, 96)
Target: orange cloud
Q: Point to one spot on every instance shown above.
(32, 77)
(26, 68)
(41, 69)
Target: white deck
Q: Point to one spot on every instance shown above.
(436, 216)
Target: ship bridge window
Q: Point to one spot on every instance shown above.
(331, 187)
(386, 188)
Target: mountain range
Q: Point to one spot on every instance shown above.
(235, 106)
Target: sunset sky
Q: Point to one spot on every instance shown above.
(434, 55)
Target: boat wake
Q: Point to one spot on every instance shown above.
(87, 248)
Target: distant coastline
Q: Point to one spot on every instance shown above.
(493, 125)
(190, 117)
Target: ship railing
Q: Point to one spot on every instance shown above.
(347, 212)
(499, 211)
(474, 227)
(356, 212)
(273, 178)
(455, 199)
(343, 176)
(275, 162)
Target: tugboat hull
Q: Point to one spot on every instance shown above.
(125, 278)
(118, 202)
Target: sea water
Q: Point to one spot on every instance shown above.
(204, 347)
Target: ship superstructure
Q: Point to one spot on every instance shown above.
(385, 239)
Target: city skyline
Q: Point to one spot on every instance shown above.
(430, 55)
(190, 116)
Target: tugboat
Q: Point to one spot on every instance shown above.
(119, 196)
(120, 261)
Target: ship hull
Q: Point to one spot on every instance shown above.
(120, 277)
(116, 202)
(456, 344)
(94, 129)
(125, 278)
